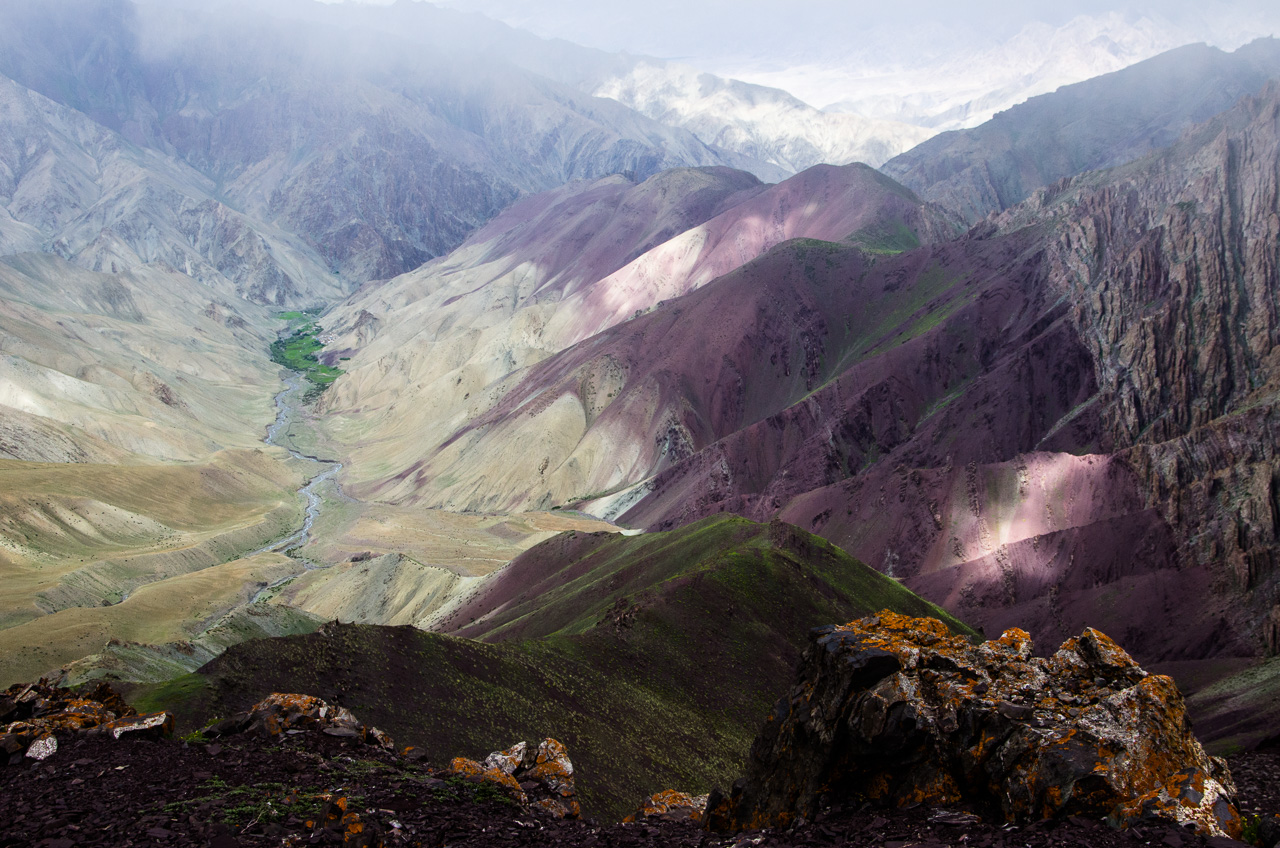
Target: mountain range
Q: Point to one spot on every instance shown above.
(605, 379)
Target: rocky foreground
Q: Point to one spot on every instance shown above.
(872, 747)
(242, 791)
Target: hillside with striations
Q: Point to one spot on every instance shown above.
(1040, 423)
(463, 332)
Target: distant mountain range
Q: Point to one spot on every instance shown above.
(359, 155)
(1026, 369)
(1094, 124)
(997, 419)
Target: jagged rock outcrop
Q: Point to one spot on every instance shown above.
(35, 715)
(541, 777)
(1171, 269)
(896, 710)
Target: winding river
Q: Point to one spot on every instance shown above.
(287, 402)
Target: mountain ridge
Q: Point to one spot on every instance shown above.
(1095, 124)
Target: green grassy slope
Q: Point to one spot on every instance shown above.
(654, 658)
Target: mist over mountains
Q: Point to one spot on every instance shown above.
(930, 64)
(403, 317)
(274, 115)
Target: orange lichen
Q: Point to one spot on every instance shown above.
(1081, 731)
(462, 767)
(670, 803)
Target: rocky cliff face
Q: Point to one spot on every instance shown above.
(1130, 316)
(1171, 269)
(72, 187)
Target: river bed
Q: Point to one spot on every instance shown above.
(287, 403)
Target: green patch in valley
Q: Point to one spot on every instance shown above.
(297, 352)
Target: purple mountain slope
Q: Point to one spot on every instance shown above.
(494, 310)
(1049, 422)
(1087, 439)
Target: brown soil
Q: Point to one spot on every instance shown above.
(249, 791)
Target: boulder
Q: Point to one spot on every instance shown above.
(150, 726)
(36, 714)
(540, 777)
(291, 713)
(670, 805)
(482, 773)
(336, 825)
(897, 710)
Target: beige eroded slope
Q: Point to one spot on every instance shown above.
(96, 367)
(132, 412)
(170, 610)
(435, 350)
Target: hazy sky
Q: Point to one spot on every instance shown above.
(695, 28)
(818, 49)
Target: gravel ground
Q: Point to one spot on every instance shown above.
(246, 791)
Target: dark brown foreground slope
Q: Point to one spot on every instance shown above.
(244, 791)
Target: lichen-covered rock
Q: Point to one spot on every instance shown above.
(463, 767)
(897, 710)
(338, 825)
(34, 715)
(670, 805)
(152, 726)
(539, 777)
(285, 713)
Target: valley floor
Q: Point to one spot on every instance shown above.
(122, 569)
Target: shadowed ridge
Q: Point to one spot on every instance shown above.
(653, 657)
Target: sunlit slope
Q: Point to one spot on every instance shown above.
(168, 612)
(435, 351)
(404, 565)
(98, 366)
(432, 349)
(653, 658)
(132, 411)
(76, 539)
